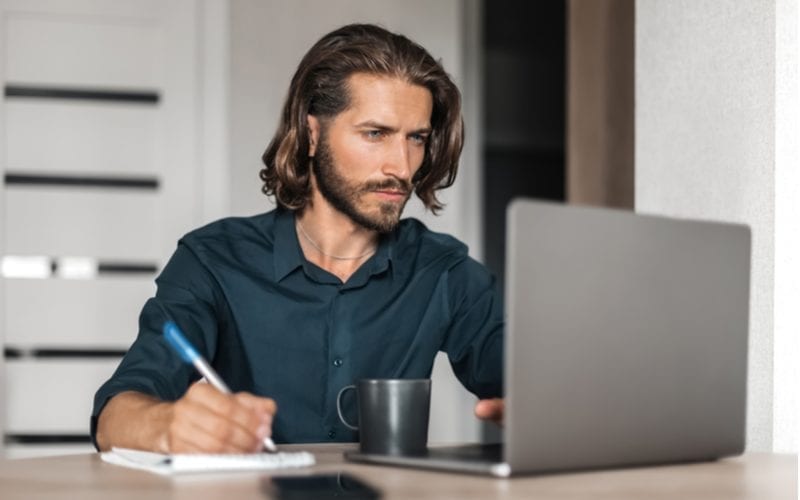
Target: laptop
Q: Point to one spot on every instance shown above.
(626, 344)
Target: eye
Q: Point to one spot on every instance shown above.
(419, 139)
(374, 134)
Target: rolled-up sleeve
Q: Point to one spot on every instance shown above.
(186, 294)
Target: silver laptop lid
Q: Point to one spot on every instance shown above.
(626, 338)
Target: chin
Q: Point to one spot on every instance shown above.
(381, 223)
(381, 217)
(385, 226)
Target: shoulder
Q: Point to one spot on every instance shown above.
(233, 236)
(413, 237)
(443, 255)
(232, 226)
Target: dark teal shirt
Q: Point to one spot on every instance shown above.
(274, 324)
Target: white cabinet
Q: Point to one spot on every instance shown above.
(99, 127)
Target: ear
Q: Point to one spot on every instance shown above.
(313, 134)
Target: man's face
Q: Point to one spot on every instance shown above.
(367, 155)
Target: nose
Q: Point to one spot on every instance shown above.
(397, 162)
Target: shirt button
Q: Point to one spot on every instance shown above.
(338, 362)
(331, 434)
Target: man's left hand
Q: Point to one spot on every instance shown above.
(491, 409)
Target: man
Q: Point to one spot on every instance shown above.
(292, 305)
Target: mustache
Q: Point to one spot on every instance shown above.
(389, 185)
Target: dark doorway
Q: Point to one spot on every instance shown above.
(524, 103)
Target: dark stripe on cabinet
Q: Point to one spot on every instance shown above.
(61, 353)
(47, 438)
(12, 179)
(125, 268)
(90, 94)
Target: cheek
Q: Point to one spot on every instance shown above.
(417, 157)
(355, 154)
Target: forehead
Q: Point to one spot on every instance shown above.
(388, 100)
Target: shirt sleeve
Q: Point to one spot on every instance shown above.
(186, 294)
(474, 340)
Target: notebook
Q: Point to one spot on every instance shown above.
(194, 462)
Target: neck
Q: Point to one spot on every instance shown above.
(332, 240)
(319, 249)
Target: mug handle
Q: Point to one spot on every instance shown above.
(339, 406)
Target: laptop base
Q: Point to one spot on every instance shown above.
(484, 459)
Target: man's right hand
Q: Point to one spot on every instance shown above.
(205, 420)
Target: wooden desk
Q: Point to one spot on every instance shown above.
(86, 477)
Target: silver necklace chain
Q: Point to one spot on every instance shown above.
(337, 257)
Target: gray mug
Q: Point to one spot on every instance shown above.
(392, 415)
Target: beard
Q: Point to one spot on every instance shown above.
(346, 197)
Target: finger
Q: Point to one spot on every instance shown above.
(230, 407)
(490, 409)
(234, 436)
(219, 431)
(187, 438)
(191, 439)
(222, 436)
(257, 403)
(206, 395)
(263, 409)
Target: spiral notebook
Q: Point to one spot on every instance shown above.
(180, 463)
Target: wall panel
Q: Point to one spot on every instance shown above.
(82, 50)
(78, 314)
(53, 396)
(119, 224)
(87, 137)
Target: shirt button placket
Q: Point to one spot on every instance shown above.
(336, 377)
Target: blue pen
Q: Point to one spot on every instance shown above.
(190, 355)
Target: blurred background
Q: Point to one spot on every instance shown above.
(126, 123)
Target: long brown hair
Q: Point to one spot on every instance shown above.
(319, 88)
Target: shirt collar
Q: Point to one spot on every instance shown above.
(288, 255)
(383, 254)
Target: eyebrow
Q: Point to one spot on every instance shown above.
(380, 126)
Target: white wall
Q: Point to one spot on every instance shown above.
(268, 39)
(786, 343)
(708, 94)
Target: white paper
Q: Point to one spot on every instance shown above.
(193, 462)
